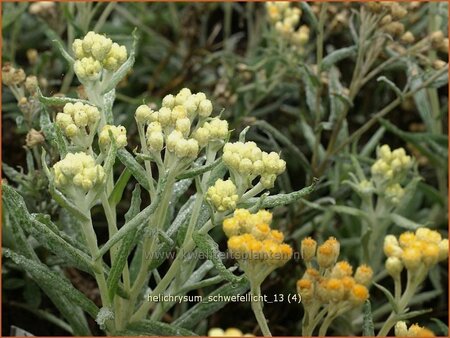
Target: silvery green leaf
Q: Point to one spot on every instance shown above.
(280, 199)
(403, 222)
(136, 169)
(210, 248)
(124, 68)
(108, 101)
(150, 327)
(211, 304)
(368, 329)
(392, 85)
(45, 235)
(140, 219)
(63, 52)
(125, 246)
(47, 126)
(389, 296)
(42, 274)
(336, 56)
(116, 195)
(309, 14)
(58, 100)
(243, 133)
(442, 326)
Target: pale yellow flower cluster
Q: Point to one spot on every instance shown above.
(422, 249)
(182, 124)
(94, 53)
(285, 19)
(77, 119)
(249, 161)
(223, 195)
(78, 170)
(119, 133)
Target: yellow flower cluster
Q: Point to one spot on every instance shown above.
(77, 119)
(248, 160)
(285, 19)
(230, 332)
(94, 53)
(119, 133)
(223, 195)
(252, 241)
(391, 13)
(78, 170)
(387, 170)
(401, 330)
(173, 123)
(424, 248)
(336, 282)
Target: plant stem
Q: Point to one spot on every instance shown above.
(257, 310)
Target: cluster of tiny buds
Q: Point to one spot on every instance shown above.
(78, 170)
(335, 282)
(174, 124)
(248, 160)
(390, 164)
(230, 332)
(12, 76)
(424, 248)
(78, 119)
(119, 133)
(252, 240)
(415, 330)
(94, 53)
(223, 195)
(285, 19)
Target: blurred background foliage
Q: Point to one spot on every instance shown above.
(231, 52)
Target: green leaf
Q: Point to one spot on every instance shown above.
(368, 329)
(116, 195)
(421, 96)
(45, 235)
(42, 274)
(58, 100)
(389, 296)
(151, 327)
(403, 222)
(140, 220)
(442, 326)
(123, 70)
(136, 169)
(392, 85)
(211, 304)
(125, 246)
(309, 14)
(47, 126)
(63, 52)
(413, 314)
(336, 56)
(210, 248)
(281, 199)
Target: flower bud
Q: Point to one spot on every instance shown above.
(401, 329)
(394, 266)
(328, 252)
(363, 275)
(308, 249)
(143, 113)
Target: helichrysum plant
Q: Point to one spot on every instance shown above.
(135, 175)
(181, 142)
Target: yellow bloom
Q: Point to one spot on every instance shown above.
(308, 248)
